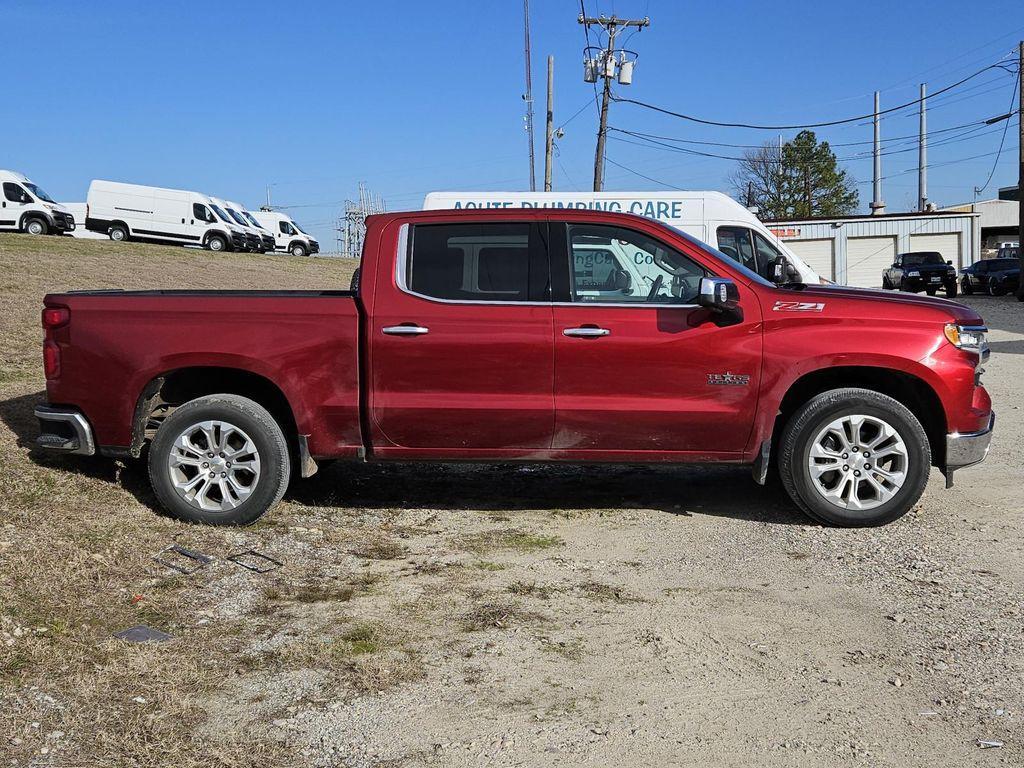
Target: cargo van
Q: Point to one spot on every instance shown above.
(288, 236)
(712, 217)
(154, 214)
(253, 240)
(77, 210)
(265, 235)
(25, 207)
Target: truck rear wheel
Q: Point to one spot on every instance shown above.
(220, 460)
(854, 457)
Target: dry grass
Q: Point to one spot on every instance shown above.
(77, 536)
(512, 540)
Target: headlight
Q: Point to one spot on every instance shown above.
(969, 337)
(913, 273)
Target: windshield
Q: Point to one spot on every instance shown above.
(38, 192)
(252, 220)
(296, 225)
(745, 271)
(922, 259)
(234, 215)
(220, 214)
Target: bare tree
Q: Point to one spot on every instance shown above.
(760, 180)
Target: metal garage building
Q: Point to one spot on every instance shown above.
(854, 250)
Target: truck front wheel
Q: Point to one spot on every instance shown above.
(220, 459)
(298, 249)
(854, 457)
(36, 227)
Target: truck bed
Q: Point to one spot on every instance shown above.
(303, 343)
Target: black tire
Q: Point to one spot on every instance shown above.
(951, 291)
(298, 249)
(36, 226)
(216, 243)
(261, 428)
(886, 285)
(967, 288)
(995, 289)
(118, 233)
(799, 433)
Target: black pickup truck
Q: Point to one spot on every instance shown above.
(921, 271)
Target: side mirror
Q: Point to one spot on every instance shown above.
(719, 294)
(948, 262)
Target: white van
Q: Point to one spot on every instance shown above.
(711, 217)
(77, 210)
(133, 211)
(288, 236)
(253, 240)
(25, 207)
(265, 235)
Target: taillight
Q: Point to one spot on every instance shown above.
(56, 317)
(51, 359)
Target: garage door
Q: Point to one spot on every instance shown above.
(867, 258)
(817, 254)
(948, 245)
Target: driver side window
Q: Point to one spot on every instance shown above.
(199, 212)
(15, 193)
(613, 265)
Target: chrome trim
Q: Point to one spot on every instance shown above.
(404, 330)
(83, 432)
(964, 449)
(586, 333)
(402, 252)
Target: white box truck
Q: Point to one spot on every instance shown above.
(154, 214)
(288, 236)
(25, 207)
(711, 217)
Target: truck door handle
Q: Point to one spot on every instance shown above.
(404, 330)
(586, 332)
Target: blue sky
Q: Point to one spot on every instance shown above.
(313, 97)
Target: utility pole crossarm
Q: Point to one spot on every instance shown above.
(606, 67)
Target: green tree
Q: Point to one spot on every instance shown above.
(802, 180)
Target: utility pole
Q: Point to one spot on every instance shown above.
(528, 97)
(922, 155)
(877, 206)
(1020, 164)
(606, 67)
(268, 197)
(549, 128)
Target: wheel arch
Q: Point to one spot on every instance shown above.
(30, 215)
(163, 393)
(911, 391)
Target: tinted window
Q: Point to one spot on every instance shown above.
(14, 192)
(735, 242)
(38, 192)
(476, 262)
(200, 212)
(919, 259)
(285, 228)
(614, 265)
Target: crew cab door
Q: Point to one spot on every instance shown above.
(640, 369)
(460, 340)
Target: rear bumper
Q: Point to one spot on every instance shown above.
(65, 430)
(964, 449)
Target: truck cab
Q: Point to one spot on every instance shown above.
(25, 207)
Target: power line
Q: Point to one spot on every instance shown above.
(642, 176)
(824, 124)
(1013, 98)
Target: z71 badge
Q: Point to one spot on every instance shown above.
(798, 306)
(729, 379)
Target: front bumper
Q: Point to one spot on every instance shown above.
(65, 430)
(314, 246)
(238, 241)
(964, 449)
(268, 242)
(928, 281)
(62, 222)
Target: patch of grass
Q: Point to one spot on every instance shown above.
(531, 589)
(512, 539)
(596, 590)
(489, 565)
(379, 549)
(568, 649)
(496, 615)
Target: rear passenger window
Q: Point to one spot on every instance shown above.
(477, 262)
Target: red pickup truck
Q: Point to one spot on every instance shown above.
(522, 336)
